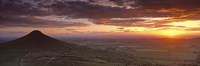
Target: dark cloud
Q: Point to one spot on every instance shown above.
(121, 2)
(162, 4)
(160, 26)
(75, 9)
(18, 7)
(120, 28)
(79, 32)
(11, 12)
(70, 29)
(17, 13)
(29, 21)
(181, 9)
(91, 1)
(128, 30)
(80, 9)
(143, 8)
(118, 2)
(85, 9)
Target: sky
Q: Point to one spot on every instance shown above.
(101, 18)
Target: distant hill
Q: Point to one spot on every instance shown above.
(38, 49)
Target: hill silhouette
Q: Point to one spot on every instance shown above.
(34, 40)
(38, 49)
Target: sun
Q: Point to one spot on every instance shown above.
(171, 33)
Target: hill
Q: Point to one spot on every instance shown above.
(38, 49)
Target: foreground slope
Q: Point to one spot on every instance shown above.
(38, 49)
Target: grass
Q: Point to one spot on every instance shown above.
(175, 57)
(10, 57)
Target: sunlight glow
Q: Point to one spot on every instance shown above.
(171, 33)
(188, 23)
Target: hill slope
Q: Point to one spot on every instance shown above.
(38, 49)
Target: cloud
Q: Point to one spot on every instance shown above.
(124, 23)
(118, 2)
(70, 29)
(134, 22)
(31, 21)
(120, 28)
(11, 12)
(169, 26)
(193, 29)
(87, 9)
(78, 9)
(181, 9)
(18, 7)
(166, 4)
